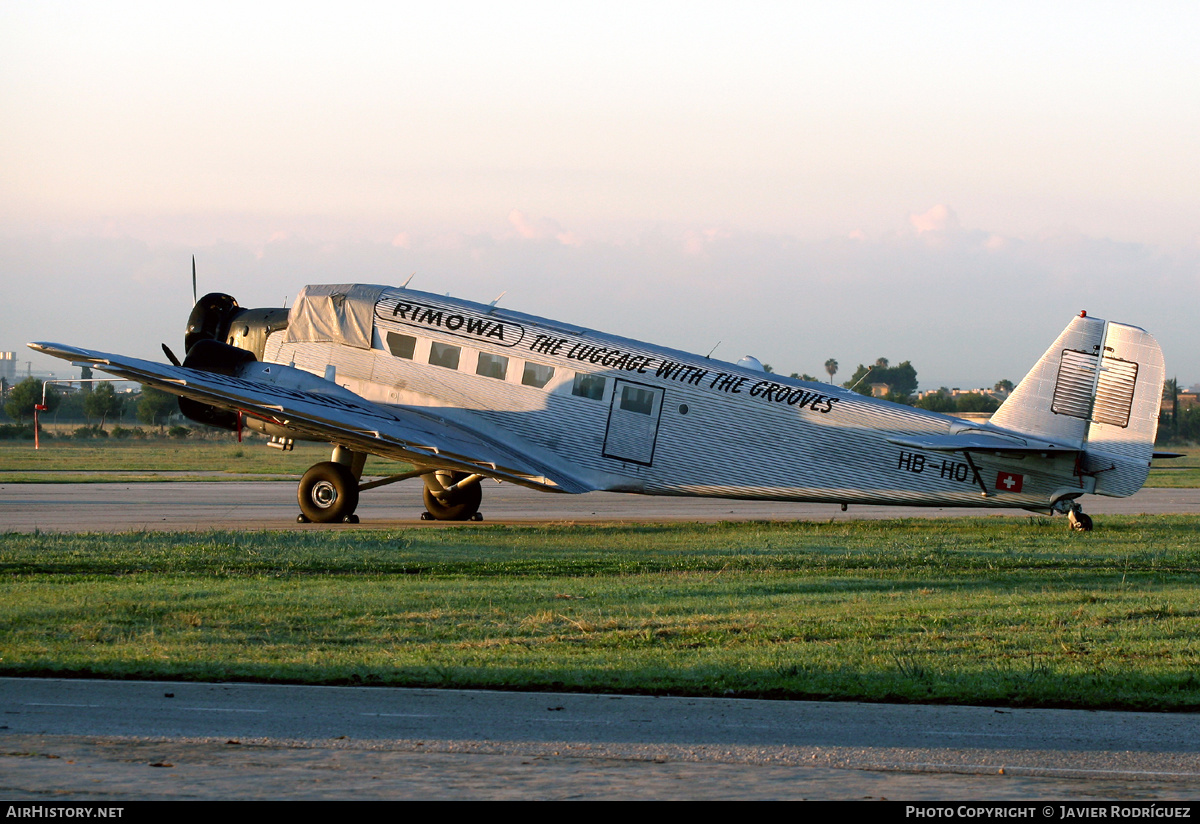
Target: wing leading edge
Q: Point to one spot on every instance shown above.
(338, 416)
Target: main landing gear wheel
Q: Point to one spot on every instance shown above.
(328, 493)
(460, 505)
(1080, 522)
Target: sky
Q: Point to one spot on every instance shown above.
(945, 183)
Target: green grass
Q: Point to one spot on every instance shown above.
(977, 611)
(1176, 473)
(61, 460)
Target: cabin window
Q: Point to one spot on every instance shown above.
(588, 386)
(443, 354)
(401, 346)
(537, 374)
(492, 366)
(637, 400)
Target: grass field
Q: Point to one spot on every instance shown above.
(978, 611)
(1176, 472)
(62, 460)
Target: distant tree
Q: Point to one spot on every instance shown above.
(155, 406)
(975, 402)
(938, 402)
(1004, 385)
(804, 377)
(26, 395)
(1171, 391)
(882, 363)
(102, 402)
(768, 368)
(71, 407)
(901, 380)
(856, 380)
(831, 367)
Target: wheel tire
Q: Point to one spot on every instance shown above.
(1081, 522)
(460, 506)
(328, 493)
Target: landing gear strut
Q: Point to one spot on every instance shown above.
(452, 496)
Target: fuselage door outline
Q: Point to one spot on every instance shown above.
(633, 418)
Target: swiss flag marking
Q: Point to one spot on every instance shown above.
(1009, 482)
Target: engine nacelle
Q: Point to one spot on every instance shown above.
(207, 355)
(223, 359)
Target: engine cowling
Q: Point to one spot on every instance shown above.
(209, 320)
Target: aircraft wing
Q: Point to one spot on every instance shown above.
(983, 442)
(339, 416)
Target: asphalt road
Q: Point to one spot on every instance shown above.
(112, 741)
(111, 507)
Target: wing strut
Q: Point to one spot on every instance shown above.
(975, 471)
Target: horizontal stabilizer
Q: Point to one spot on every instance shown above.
(979, 442)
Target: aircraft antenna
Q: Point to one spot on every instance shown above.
(410, 277)
(492, 305)
(864, 375)
(710, 351)
(195, 300)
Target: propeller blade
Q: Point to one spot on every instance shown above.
(171, 355)
(195, 300)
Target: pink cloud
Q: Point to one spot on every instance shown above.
(938, 219)
(541, 229)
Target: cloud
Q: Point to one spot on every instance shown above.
(541, 229)
(698, 242)
(938, 219)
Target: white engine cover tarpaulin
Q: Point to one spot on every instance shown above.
(339, 312)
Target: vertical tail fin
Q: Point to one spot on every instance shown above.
(1099, 386)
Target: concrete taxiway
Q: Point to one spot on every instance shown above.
(112, 741)
(111, 507)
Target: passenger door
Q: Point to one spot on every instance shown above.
(633, 422)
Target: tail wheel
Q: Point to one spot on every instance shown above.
(460, 505)
(328, 493)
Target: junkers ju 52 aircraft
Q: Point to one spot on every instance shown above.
(465, 392)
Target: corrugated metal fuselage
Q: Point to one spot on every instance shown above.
(623, 415)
